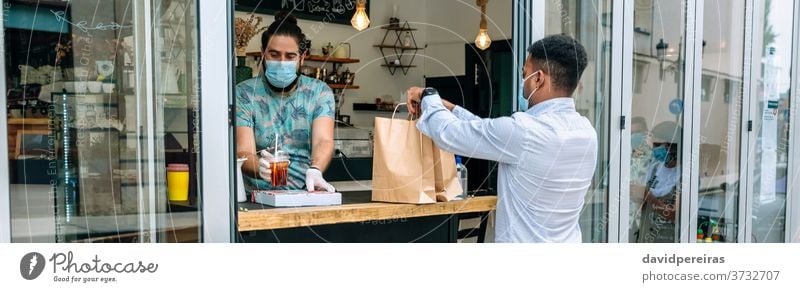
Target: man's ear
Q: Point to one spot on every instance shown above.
(539, 79)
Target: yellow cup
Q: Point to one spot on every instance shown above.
(178, 182)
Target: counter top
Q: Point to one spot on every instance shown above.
(356, 207)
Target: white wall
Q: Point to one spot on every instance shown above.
(373, 79)
(453, 23)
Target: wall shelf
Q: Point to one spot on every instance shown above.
(404, 46)
(397, 47)
(374, 108)
(398, 66)
(316, 58)
(342, 86)
(398, 28)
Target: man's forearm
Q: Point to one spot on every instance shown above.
(450, 106)
(250, 166)
(321, 154)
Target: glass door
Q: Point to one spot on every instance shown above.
(590, 23)
(102, 120)
(769, 112)
(720, 121)
(657, 145)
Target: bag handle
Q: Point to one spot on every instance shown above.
(410, 116)
(397, 107)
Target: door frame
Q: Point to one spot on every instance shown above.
(5, 187)
(793, 185)
(215, 57)
(216, 65)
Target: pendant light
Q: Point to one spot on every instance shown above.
(360, 20)
(483, 41)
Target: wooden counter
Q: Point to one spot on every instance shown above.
(259, 217)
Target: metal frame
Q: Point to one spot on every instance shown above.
(618, 205)
(691, 117)
(793, 185)
(145, 85)
(516, 36)
(538, 10)
(625, 105)
(219, 221)
(750, 138)
(5, 187)
(523, 21)
(744, 149)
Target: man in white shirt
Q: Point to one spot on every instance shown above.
(547, 154)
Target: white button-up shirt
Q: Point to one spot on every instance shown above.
(547, 157)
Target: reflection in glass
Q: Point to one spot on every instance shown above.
(720, 121)
(90, 155)
(771, 119)
(590, 23)
(656, 123)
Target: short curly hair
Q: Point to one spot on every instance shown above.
(562, 57)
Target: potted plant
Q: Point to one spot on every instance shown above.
(246, 29)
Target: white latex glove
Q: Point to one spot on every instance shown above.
(264, 171)
(314, 181)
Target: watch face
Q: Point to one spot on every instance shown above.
(429, 91)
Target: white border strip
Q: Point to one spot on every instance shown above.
(695, 101)
(688, 196)
(5, 188)
(148, 95)
(216, 91)
(751, 115)
(792, 188)
(744, 135)
(625, 109)
(618, 202)
(519, 54)
(537, 13)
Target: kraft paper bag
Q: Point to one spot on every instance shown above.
(408, 168)
(400, 172)
(447, 184)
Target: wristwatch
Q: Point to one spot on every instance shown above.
(427, 91)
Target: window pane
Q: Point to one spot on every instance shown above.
(89, 140)
(771, 118)
(656, 123)
(720, 120)
(590, 23)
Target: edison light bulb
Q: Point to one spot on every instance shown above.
(482, 41)
(360, 20)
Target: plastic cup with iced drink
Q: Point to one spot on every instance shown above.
(279, 165)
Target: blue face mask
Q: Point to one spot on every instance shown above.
(281, 74)
(522, 102)
(660, 153)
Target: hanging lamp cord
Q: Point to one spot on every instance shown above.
(482, 5)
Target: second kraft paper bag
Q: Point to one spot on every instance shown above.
(408, 168)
